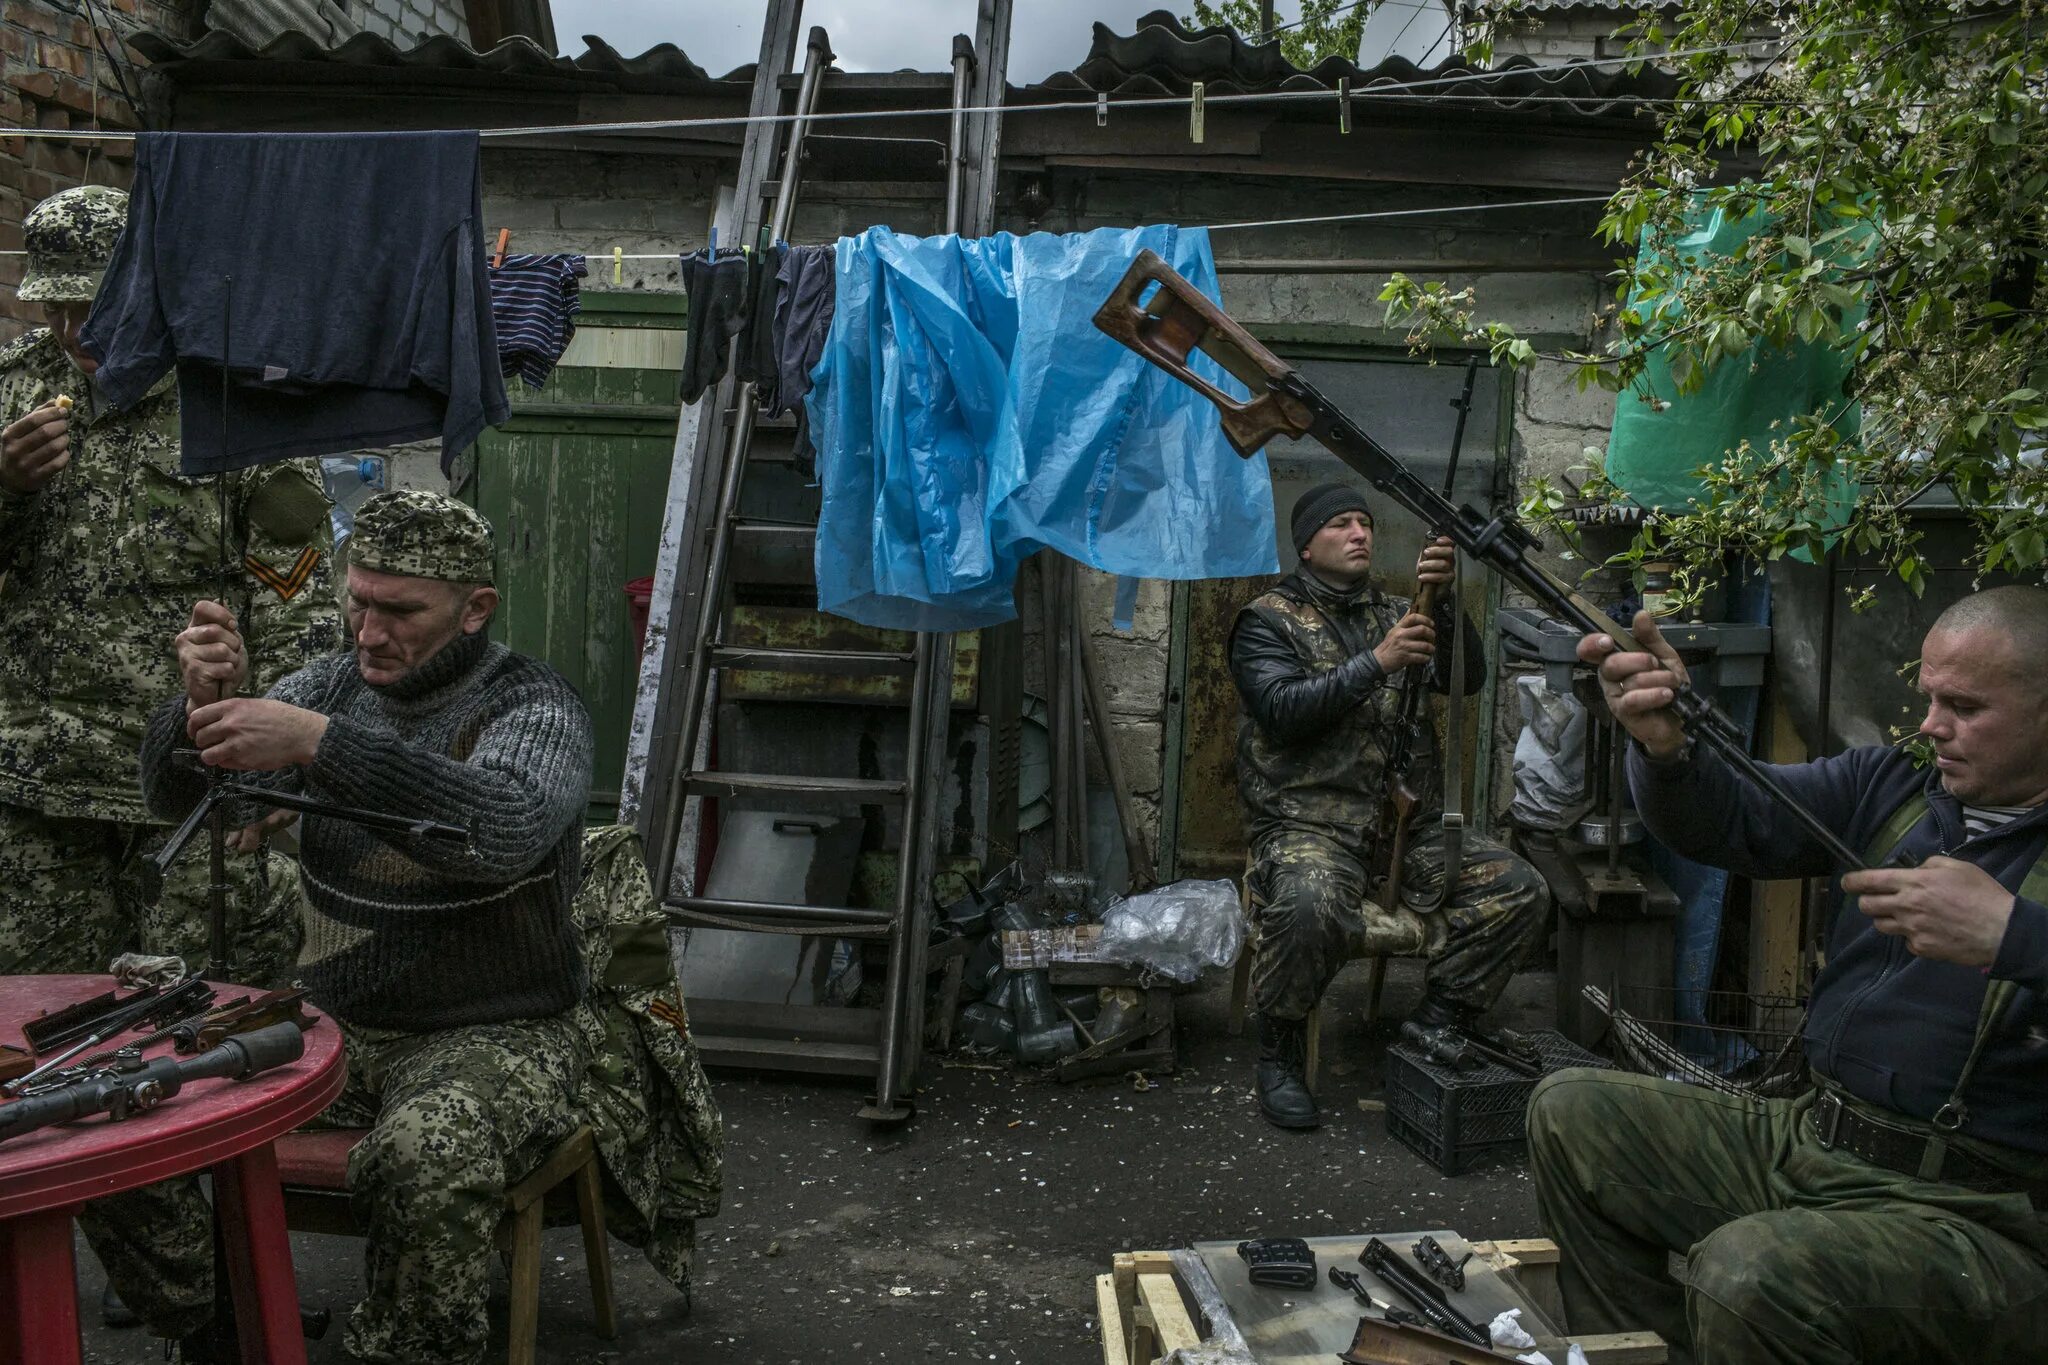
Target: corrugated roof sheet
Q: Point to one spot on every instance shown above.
(664, 67)
(1165, 57)
(1161, 57)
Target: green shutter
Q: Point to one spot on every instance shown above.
(574, 485)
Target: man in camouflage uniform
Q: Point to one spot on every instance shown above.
(1317, 660)
(1897, 1214)
(452, 968)
(103, 546)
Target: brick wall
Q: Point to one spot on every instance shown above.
(57, 77)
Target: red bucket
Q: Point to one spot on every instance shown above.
(639, 598)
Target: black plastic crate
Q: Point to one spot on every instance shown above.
(1454, 1119)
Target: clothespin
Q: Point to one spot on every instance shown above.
(712, 255)
(504, 236)
(1343, 104)
(618, 265)
(1102, 111)
(1195, 112)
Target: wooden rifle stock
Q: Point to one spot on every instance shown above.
(1403, 793)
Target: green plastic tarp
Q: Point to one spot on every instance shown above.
(1655, 449)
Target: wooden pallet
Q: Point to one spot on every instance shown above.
(1148, 1311)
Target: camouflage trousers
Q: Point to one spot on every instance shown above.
(1312, 912)
(455, 1118)
(71, 899)
(1793, 1252)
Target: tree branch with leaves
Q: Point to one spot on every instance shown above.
(1901, 149)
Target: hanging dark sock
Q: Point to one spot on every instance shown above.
(717, 291)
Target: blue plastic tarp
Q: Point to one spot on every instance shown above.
(967, 413)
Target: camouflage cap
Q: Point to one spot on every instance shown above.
(70, 238)
(421, 534)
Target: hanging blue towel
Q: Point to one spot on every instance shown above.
(967, 413)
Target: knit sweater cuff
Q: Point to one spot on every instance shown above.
(366, 765)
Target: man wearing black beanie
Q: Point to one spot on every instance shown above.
(1317, 660)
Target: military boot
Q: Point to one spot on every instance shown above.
(1283, 1094)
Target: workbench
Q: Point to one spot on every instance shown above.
(1153, 1303)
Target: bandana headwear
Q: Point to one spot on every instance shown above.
(421, 534)
(1314, 509)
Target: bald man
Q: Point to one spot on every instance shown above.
(1896, 1213)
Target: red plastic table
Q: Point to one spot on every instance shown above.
(222, 1125)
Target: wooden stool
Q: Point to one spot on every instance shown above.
(313, 1166)
(1241, 986)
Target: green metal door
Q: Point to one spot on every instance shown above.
(574, 485)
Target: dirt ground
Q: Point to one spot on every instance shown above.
(975, 1233)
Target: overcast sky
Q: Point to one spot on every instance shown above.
(867, 35)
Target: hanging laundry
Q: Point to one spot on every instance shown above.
(717, 290)
(803, 320)
(968, 413)
(347, 271)
(754, 353)
(534, 303)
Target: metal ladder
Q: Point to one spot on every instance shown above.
(883, 1043)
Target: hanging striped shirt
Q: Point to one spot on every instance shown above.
(534, 302)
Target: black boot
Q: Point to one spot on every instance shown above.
(1283, 1095)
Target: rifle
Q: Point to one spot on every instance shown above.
(1403, 794)
(119, 1094)
(1178, 319)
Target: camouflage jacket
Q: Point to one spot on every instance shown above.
(99, 570)
(646, 1097)
(1318, 713)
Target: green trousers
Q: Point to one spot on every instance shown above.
(1792, 1252)
(71, 899)
(456, 1118)
(1312, 912)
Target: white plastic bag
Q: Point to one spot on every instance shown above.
(1550, 764)
(1176, 930)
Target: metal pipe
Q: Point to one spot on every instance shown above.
(930, 695)
(891, 1054)
(956, 149)
(822, 914)
(817, 56)
(1362, 265)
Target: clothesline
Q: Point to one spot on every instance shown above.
(1102, 104)
(601, 256)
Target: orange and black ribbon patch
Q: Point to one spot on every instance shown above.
(285, 585)
(660, 1008)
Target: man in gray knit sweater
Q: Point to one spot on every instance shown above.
(451, 969)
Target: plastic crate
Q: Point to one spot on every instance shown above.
(1455, 1119)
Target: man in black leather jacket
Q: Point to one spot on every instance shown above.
(1317, 660)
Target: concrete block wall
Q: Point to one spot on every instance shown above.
(57, 77)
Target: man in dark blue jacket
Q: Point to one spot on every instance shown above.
(1899, 1212)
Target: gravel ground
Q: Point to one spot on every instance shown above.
(975, 1232)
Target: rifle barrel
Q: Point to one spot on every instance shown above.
(1502, 544)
